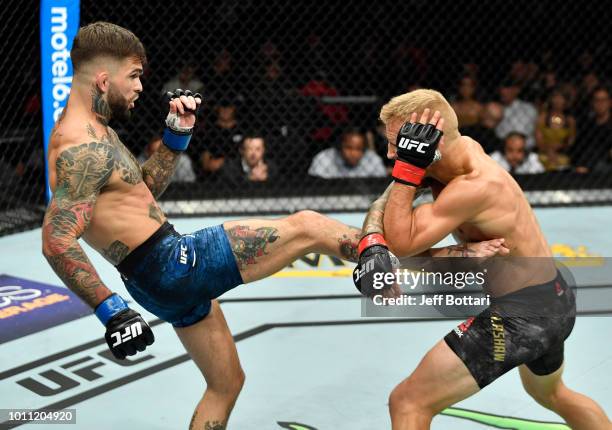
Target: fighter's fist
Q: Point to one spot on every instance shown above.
(417, 147)
(181, 118)
(127, 333)
(375, 261)
(184, 107)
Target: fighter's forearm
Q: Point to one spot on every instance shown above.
(374, 221)
(398, 220)
(157, 171)
(74, 268)
(460, 250)
(63, 252)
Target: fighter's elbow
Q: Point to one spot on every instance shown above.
(52, 247)
(48, 248)
(400, 247)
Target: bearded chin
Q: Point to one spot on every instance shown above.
(119, 106)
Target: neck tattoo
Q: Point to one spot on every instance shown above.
(100, 107)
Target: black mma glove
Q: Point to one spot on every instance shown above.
(416, 149)
(126, 331)
(177, 137)
(375, 261)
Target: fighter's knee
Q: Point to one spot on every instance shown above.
(237, 382)
(404, 401)
(231, 385)
(546, 398)
(305, 217)
(306, 221)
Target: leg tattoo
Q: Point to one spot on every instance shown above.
(249, 244)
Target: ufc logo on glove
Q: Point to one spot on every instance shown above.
(129, 332)
(411, 163)
(408, 144)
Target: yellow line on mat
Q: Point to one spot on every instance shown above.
(314, 273)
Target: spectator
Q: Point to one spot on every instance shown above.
(270, 98)
(555, 132)
(467, 108)
(350, 160)
(331, 115)
(223, 78)
(589, 82)
(185, 80)
(251, 165)
(484, 132)
(276, 107)
(378, 141)
(519, 115)
(531, 89)
(213, 145)
(515, 158)
(518, 72)
(184, 169)
(592, 150)
(570, 91)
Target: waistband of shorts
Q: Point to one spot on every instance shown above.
(550, 289)
(134, 258)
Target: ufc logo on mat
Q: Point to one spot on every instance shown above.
(129, 333)
(409, 144)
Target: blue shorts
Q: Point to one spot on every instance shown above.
(176, 276)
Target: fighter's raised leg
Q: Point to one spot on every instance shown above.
(264, 246)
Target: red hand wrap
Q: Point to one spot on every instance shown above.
(408, 173)
(370, 240)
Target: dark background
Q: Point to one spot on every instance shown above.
(357, 47)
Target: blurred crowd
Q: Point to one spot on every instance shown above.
(533, 120)
(261, 124)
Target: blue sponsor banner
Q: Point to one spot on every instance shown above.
(59, 23)
(27, 307)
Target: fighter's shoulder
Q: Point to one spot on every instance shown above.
(476, 189)
(80, 138)
(77, 152)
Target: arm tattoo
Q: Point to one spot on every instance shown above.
(81, 172)
(247, 245)
(157, 171)
(349, 244)
(374, 220)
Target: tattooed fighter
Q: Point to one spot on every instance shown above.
(101, 194)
